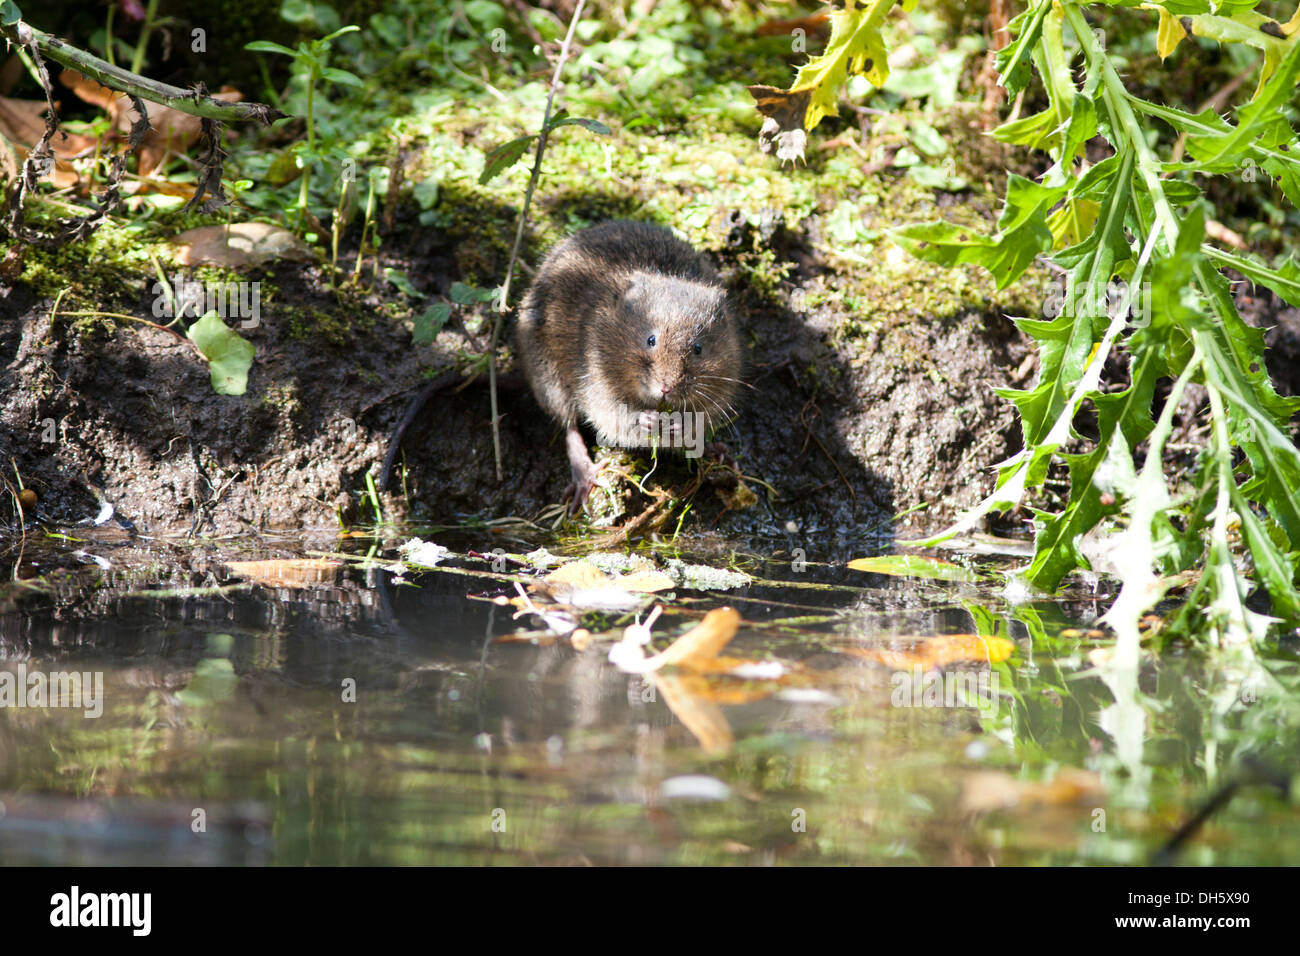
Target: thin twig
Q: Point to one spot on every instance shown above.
(519, 236)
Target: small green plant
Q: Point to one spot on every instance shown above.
(311, 67)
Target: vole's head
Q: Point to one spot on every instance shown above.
(677, 346)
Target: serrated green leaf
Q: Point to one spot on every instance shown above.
(1284, 279)
(1013, 59)
(1261, 118)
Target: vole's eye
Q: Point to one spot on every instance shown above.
(650, 341)
(698, 348)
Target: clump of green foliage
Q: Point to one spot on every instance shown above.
(1128, 231)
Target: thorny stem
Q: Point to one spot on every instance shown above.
(519, 236)
(187, 101)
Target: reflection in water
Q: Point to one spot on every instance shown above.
(368, 721)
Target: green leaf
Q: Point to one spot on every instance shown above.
(1261, 118)
(428, 325)
(266, 46)
(229, 356)
(1014, 58)
(503, 157)
(562, 118)
(398, 278)
(341, 76)
(1022, 235)
(914, 566)
(1284, 280)
(351, 28)
(1274, 568)
(463, 294)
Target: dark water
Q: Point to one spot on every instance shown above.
(229, 713)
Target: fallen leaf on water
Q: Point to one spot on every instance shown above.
(288, 573)
(914, 566)
(240, 245)
(940, 651)
(580, 574)
(705, 640)
(702, 642)
(988, 790)
(583, 585)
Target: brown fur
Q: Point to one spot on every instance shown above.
(585, 325)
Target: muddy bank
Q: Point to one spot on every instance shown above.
(847, 429)
(850, 420)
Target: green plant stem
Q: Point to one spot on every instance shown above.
(137, 61)
(1238, 629)
(1125, 121)
(503, 301)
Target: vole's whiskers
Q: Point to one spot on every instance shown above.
(724, 378)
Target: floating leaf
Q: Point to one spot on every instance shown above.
(940, 651)
(914, 566)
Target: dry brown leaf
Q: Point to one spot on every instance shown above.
(939, 651)
(644, 582)
(705, 640)
(988, 790)
(288, 573)
(578, 574)
(22, 123)
(241, 245)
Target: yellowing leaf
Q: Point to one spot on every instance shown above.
(939, 651)
(645, 582)
(579, 574)
(1169, 34)
(1073, 222)
(855, 46)
(705, 640)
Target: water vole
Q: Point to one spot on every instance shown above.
(627, 327)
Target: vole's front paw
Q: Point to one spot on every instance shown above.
(660, 428)
(579, 490)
